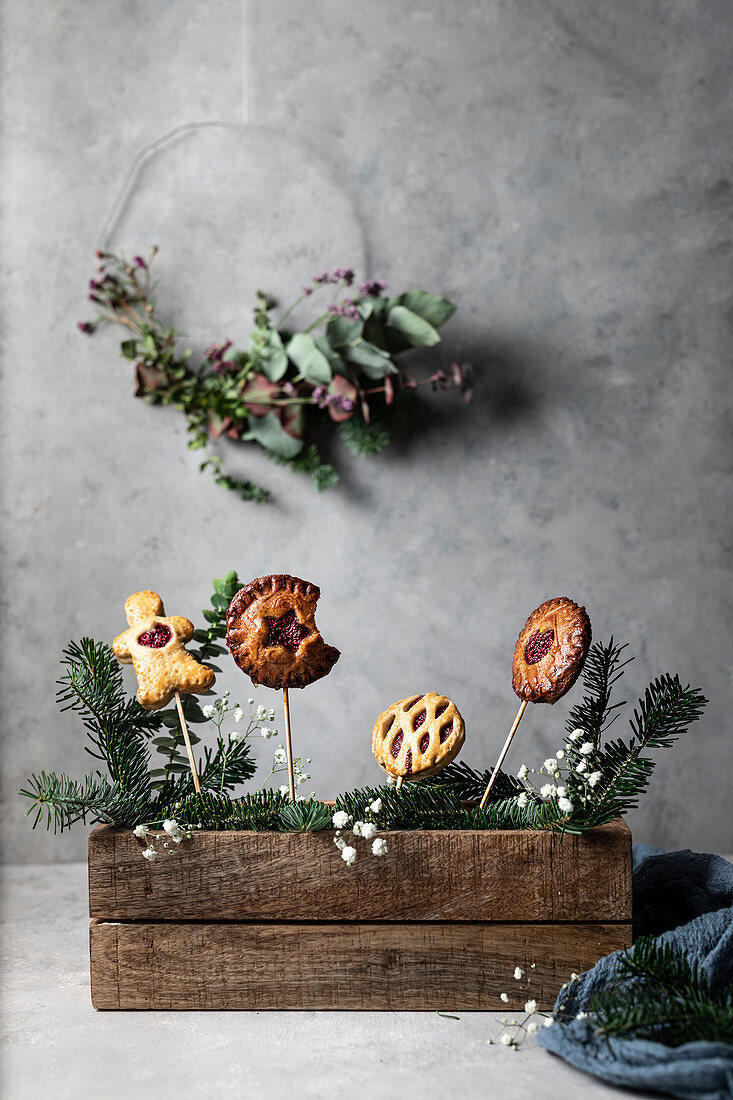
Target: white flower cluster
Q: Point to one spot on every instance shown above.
(367, 830)
(172, 834)
(526, 1026)
(576, 771)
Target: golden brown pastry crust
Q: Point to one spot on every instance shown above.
(298, 654)
(406, 739)
(545, 667)
(161, 669)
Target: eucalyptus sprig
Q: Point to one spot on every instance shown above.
(339, 370)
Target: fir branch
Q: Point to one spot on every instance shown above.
(259, 812)
(603, 668)
(362, 438)
(425, 806)
(323, 474)
(117, 727)
(664, 713)
(658, 993)
(62, 801)
(226, 766)
(306, 817)
(469, 784)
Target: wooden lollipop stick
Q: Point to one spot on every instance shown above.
(399, 782)
(187, 739)
(289, 745)
(503, 752)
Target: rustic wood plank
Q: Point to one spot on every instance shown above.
(426, 966)
(426, 876)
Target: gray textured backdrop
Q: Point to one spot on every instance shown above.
(560, 169)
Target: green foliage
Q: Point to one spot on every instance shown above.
(259, 812)
(657, 993)
(309, 462)
(425, 806)
(603, 668)
(91, 686)
(62, 801)
(306, 817)
(364, 439)
(268, 394)
(665, 713)
(469, 784)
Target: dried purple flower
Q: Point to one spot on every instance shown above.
(322, 278)
(320, 397)
(289, 389)
(139, 261)
(343, 404)
(85, 326)
(307, 291)
(345, 273)
(373, 288)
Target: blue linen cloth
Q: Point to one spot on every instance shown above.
(687, 899)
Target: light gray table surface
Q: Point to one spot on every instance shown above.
(54, 1044)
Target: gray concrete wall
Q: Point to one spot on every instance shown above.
(558, 168)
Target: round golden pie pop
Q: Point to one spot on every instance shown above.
(418, 736)
(550, 651)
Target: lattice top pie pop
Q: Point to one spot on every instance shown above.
(418, 736)
(550, 651)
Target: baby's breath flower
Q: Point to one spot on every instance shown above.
(582, 1016)
(576, 735)
(594, 778)
(550, 765)
(523, 772)
(340, 819)
(565, 805)
(581, 767)
(533, 1028)
(236, 736)
(279, 757)
(358, 826)
(547, 790)
(376, 805)
(530, 1007)
(574, 977)
(250, 702)
(208, 711)
(505, 1039)
(150, 854)
(238, 714)
(560, 754)
(348, 855)
(586, 748)
(267, 733)
(368, 830)
(284, 789)
(379, 847)
(261, 714)
(522, 800)
(339, 841)
(518, 972)
(140, 831)
(549, 1021)
(173, 830)
(504, 997)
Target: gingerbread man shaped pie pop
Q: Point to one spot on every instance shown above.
(273, 637)
(154, 645)
(548, 658)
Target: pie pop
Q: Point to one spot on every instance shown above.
(548, 658)
(418, 736)
(273, 637)
(154, 645)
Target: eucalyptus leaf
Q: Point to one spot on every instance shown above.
(273, 358)
(431, 307)
(419, 332)
(373, 362)
(340, 332)
(310, 361)
(336, 362)
(270, 434)
(129, 348)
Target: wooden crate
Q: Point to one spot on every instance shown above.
(277, 920)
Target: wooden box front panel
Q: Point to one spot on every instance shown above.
(387, 966)
(426, 876)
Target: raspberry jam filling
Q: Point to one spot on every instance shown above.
(397, 745)
(440, 710)
(155, 638)
(286, 631)
(424, 742)
(408, 762)
(417, 722)
(538, 646)
(446, 732)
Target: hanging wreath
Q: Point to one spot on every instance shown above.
(340, 370)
